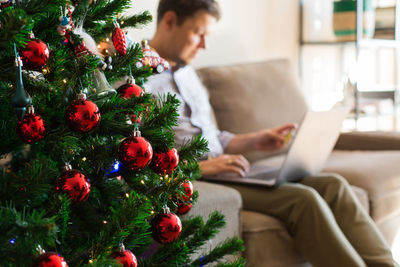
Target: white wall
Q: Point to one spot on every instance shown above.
(250, 30)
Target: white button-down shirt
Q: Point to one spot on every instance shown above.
(195, 114)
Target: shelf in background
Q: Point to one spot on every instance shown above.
(361, 43)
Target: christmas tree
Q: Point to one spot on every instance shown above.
(90, 175)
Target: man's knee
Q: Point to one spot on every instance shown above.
(308, 196)
(328, 181)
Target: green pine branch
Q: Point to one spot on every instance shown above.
(193, 149)
(229, 247)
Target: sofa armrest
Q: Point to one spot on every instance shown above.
(223, 199)
(368, 141)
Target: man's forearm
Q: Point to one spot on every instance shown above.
(241, 143)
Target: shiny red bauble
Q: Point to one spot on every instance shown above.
(188, 188)
(35, 54)
(31, 129)
(135, 152)
(125, 257)
(82, 115)
(50, 259)
(166, 227)
(75, 184)
(119, 40)
(184, 208)
(165, 162)
(129, 89)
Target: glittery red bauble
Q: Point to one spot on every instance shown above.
(188, 188)
(31, 129)
(75, 184)
(35, 54)
(50, 259)
(82, 115)
(119, 41)
(126, 258)
(166, 227)
(129, 89)
(183, 208)
(165, 162)
(135, 152)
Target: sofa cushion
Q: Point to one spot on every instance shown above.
(377, 172)
(252, 96)
(268, 243)
(223, 199)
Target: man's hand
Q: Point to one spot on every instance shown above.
(274, 138)
(225, 163)
(266, 140)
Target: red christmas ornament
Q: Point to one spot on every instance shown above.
(35, 54)
(82, 115)
(129, 89)
(32, 128)
(184, 208)
(135, 152)
(188, 188)
(165, 162)
(125, 257)
(166, 227)
(50, 259)
(73, 183)
(119, 40)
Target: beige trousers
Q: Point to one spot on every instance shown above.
(328, 224)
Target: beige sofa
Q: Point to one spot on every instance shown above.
(252, 96)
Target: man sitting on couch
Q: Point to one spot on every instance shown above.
(321, 213)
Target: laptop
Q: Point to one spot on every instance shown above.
(307, 152)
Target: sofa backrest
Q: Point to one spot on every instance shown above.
(252, 96)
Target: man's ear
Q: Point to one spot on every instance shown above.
(169, 20)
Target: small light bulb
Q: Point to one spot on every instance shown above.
(127, 195)
(98, 46)
(142, 181)
(116, 166)
(152, 212)
(64, 81)
(84, 159)
(122, 22)
(107, 39)
(105, 222)
(91, 261)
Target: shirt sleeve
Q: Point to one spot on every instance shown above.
(225, 138)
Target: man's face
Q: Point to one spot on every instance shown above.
(190, 36)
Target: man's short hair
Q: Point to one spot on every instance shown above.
(187, 8)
